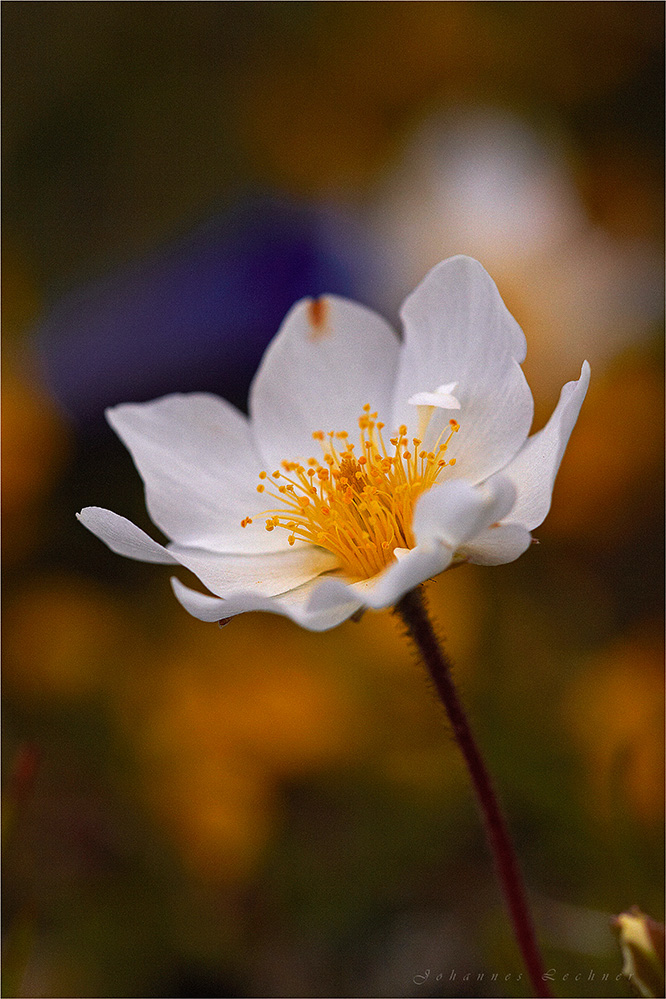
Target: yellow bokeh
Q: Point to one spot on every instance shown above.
(219, 810)
(62, 635)
(614, 712)
(219, 719)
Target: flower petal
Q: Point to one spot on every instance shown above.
(455, 512)
(385, 589)
(330, 357)
(293, 604)
(122, 536)
(264, 574)
(498, 544)
(196, 456)
(457, 329)
(534, 468)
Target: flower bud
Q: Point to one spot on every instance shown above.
(642, 944)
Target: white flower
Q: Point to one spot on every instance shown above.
(350, 483)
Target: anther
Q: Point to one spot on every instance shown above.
(361, 507)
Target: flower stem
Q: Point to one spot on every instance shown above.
(413, 611)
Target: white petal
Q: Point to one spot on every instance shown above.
(498, 544)
(457, 328)
(385, 589)
(264, 574)
(534, 468)
(196, 456)
(122, 536)
(455, 512)
(328, 360)
(293, 604)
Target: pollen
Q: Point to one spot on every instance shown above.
(359, 506)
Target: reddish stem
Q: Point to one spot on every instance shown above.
(412, 609)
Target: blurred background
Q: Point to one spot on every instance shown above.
(262, 811)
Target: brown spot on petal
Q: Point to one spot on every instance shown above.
(318, 316)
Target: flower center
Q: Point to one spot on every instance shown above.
(358, 506)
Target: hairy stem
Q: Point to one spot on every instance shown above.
(413, 611)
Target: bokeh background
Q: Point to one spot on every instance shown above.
(260, 811)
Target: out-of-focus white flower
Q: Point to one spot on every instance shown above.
(287, 512)
(486, 182)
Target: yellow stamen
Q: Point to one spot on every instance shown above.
(359, 508)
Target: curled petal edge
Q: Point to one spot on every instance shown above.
(295, 604)
(122, 536)
(535, 467)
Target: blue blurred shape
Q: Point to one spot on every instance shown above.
(198, 314)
